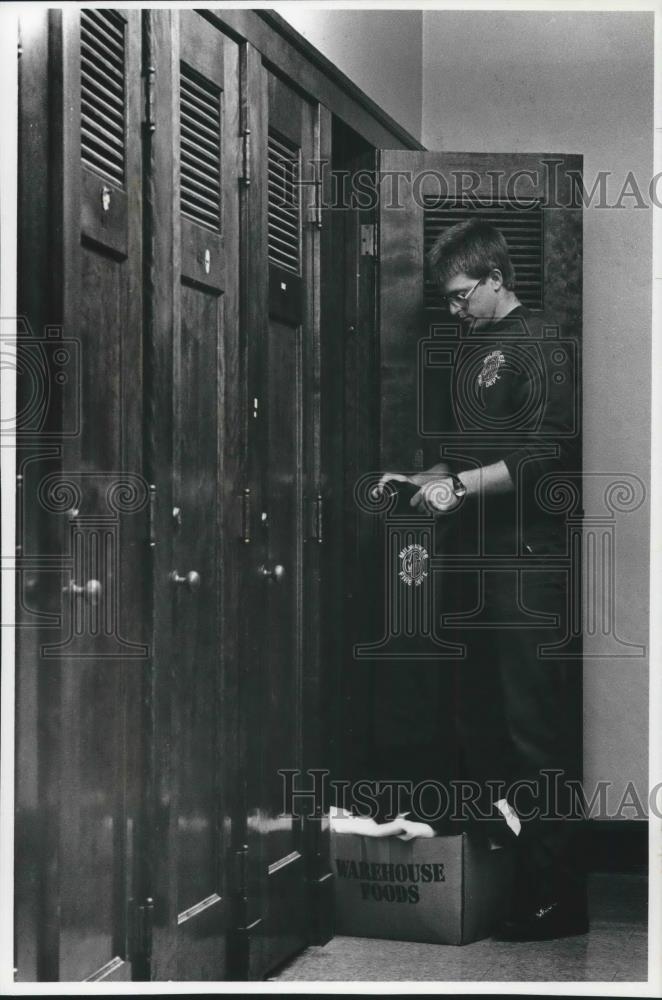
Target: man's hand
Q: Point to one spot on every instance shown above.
(436, 493)
(419, 479)
(390, 477)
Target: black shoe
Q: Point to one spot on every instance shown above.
(555, 919)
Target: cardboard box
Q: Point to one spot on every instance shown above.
(441, 890)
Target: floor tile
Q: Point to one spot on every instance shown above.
(615, 950)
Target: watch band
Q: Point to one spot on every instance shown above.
(459, 489)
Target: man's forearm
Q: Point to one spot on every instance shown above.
(489, 479)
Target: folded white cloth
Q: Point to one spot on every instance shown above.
(412, 829)
(342, 821)
(510, 816)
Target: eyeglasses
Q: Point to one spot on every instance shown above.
(460, 298)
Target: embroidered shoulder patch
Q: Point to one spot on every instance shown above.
(490, 370)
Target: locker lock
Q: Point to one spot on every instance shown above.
(191, 581)
(91, 591)
(276, 573)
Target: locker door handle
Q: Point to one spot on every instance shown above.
(276, 573)
(91, 591)
(192, 580)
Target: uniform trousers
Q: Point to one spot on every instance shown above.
(519, 720)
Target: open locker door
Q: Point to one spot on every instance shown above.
(533, 200)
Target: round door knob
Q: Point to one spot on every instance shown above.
(192, 580)
(91, 591)
(276, 573)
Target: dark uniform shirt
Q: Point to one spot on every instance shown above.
(515, 398)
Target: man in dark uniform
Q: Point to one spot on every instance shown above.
(513, 407)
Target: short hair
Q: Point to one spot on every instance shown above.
(474, 248)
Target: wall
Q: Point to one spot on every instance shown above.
(578, 83)
(379, 50)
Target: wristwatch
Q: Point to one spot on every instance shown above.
(459, 489)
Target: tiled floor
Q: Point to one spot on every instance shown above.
(614, 950)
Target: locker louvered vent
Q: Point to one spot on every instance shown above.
(200, 140)
(522, 227)
(103, 96)
(284, 205)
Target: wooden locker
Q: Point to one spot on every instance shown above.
(192, 422)
(83, 498)
(280, 668)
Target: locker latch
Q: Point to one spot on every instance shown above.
(141, 925)
(369, 240)
(152, 515)
(246, 516)
(316, 529)
(246, 157)
(149, 112)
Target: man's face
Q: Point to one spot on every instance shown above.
(471, 299)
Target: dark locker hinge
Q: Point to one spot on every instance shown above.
(246, 516)
(141, 926)
(317, 210)
(152, 516)
(246, 157)
(241, 931)
(316, 164)
(150, 118)
(316, 524)
(318, 505)
(241, 884)
(19, 515)
(369, 240)
(314, 210)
